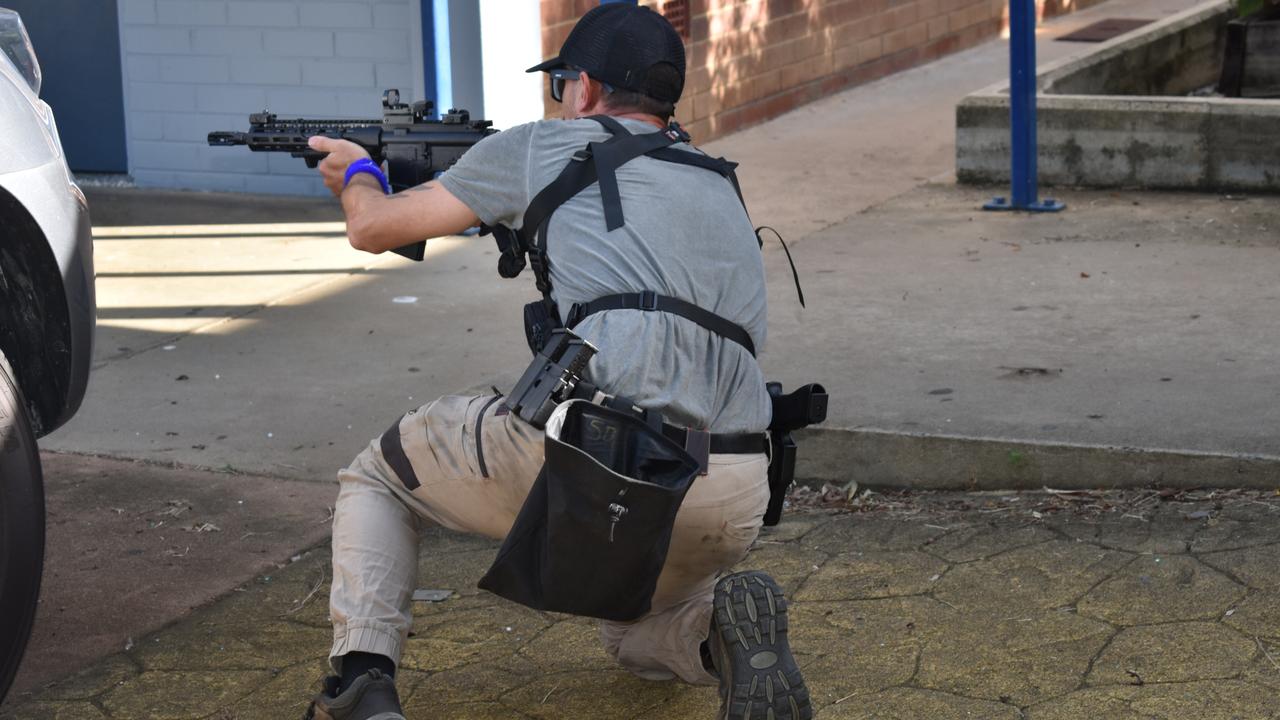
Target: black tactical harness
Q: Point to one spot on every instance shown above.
(598, 163)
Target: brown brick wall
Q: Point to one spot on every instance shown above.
(751, 60)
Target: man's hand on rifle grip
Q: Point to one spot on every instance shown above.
(377, 222)
(341, 153)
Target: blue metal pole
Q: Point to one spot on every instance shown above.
(1022, 100)
(1022, 113)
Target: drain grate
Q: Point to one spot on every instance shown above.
(1104, 30)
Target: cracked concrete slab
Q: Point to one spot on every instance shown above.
(1169, 588)
(881, 637)
(1029, 619)
(914, 703)
(1265, 670)
(1258, 615)
(180, 695)
(1228, 534)
(1044, 576)
(1172, 653)
(1226, 700)
(1019, 659)
(987, 539)
(1255, 566)
(872, 574)
(1140, 534)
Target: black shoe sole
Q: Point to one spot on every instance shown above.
(760, 679)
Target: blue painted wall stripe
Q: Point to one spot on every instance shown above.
(428, 48)
(443, 55)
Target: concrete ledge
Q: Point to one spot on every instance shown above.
(1175, 56)
(1102, 139)
(938, 462)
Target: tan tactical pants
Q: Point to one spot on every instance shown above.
(467, 464)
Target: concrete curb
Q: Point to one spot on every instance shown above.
(888, 458)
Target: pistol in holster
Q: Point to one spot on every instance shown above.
(793, 411)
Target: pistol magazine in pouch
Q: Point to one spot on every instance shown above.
(592, 536)
(557, 370)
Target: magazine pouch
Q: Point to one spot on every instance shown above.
(592, 536)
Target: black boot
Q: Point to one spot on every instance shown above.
(371, 697)
(748, 645)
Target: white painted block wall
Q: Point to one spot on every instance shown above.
(192, 66)
(511, 33)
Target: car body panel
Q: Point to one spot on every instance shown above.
(34, 171)
(26, 125)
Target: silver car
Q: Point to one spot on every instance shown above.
(46, 323)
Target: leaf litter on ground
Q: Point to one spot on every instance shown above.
(937, 506)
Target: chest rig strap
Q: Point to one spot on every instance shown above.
(598, 163)
(653, 302)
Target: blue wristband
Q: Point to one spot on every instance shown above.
(366, 165)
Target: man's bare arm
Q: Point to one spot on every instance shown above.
(377, 222)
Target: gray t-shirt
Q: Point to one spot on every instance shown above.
(686, 235)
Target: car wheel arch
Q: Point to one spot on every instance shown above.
(35, 332)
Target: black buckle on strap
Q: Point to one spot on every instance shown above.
(577, 312)
(648, 301)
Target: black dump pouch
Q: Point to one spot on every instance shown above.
(592, 536)
(793, 411)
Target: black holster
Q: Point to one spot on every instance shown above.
(793, 411)
(592, 536)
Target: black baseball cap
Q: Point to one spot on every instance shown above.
(627, 46)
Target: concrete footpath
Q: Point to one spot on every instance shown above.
(245, 353)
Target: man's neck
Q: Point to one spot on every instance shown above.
(653, 120)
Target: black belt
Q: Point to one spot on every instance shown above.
(720, 443)
(698, 442)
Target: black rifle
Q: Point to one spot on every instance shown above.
(414, 147)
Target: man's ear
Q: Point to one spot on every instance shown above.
(588, 94)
